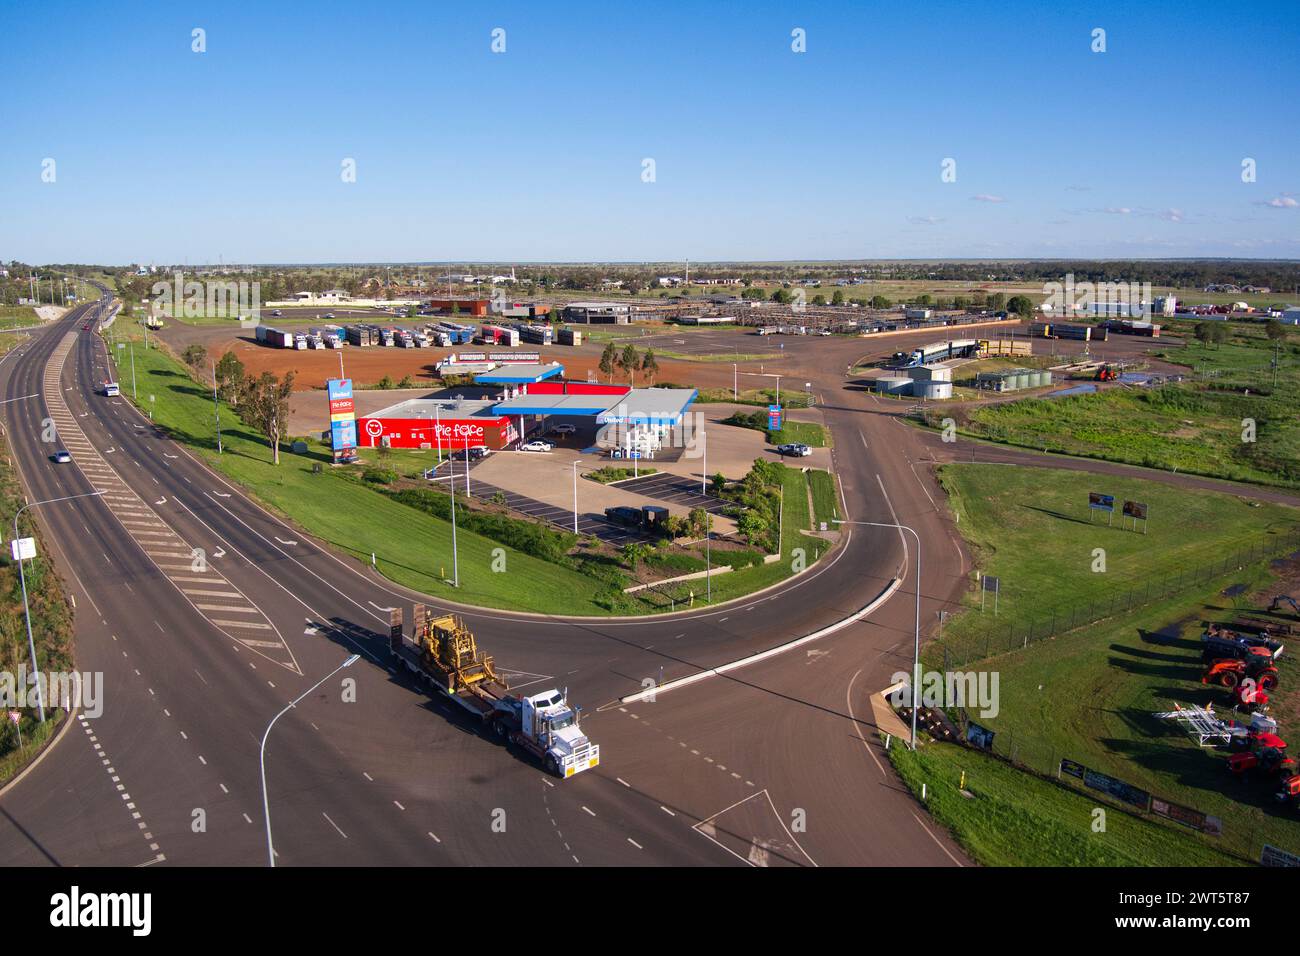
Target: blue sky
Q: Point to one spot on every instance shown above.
(166, 155)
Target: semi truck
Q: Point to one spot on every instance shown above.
(443, 653)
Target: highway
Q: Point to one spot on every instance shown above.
(774, 764)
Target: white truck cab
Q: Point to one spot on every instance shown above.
(551, 727)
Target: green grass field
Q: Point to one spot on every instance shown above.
(1013, 818)
(1201, 426)
(806, 433)
(1030, 528)
(826, 502)
(1089, 694)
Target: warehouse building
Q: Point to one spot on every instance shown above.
(598, 313)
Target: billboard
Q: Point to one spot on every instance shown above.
(343, 417)
(1101, 502)
(1135, 509)
(1187, 816)
(774, 418)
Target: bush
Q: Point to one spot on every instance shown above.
(379, 476)
(524, 536)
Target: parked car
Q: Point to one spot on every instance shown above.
(61, 457)
(564, 429)
(537, 445)
(474, 453)
(794, 450)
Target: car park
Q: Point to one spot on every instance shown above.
(536, 446)
(794, 450)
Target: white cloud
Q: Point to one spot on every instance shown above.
(1172, 215)
(1118, 210)
(985, 197)
(924, 220)
(1280, 202)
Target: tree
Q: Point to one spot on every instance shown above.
(629, 361)
(837, 297)
(649, 364)
(632, 552)
(1021, 305)
(781, 297)
(607, 360)
(819, 299)
(997, 301)
(230, 378)
(699, 522)
(1275, 331)
(881, 302)
(752, 525)
(194, 356)
(719, 483)
(266, 407)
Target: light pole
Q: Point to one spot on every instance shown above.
(135, 394)
(437, 428)
(735, 382)
(916, 640)
(576, 463)
(216, 407)
(455, 561)
(27, 615)
(266, 803)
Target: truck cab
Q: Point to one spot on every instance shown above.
(111, 389)
(549, 726)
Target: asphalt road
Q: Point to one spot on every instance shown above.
(775, 764)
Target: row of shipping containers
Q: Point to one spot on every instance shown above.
(1130, 327)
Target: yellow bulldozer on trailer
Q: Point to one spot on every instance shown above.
(442, 651)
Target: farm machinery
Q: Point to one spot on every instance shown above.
(1281, 599)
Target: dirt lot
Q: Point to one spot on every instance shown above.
(801, 358)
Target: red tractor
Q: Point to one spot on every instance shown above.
(1258, 666)
(1268, 760)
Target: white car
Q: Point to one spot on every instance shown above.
(564, 429)
(536, 446)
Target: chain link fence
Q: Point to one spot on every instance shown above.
(991, 636)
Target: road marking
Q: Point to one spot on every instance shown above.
(333, 824)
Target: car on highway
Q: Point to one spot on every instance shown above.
(86, 327)
(564, 429)
(61, 457)
(537, 445)
(277, 312)
(794, 450)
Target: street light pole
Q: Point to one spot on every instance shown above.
(266, 803)
(216, 407)
(134, 391)
(916, 639)
(22, 577)
(455, 561)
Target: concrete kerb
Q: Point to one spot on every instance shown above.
(853, 618)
